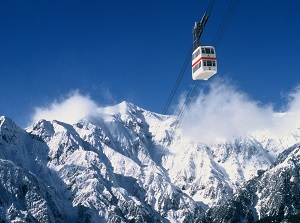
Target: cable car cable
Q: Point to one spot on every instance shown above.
(220, 32)
(225, 21)
(180, 114)
(183, 69)
(175, 87)
(210, 6)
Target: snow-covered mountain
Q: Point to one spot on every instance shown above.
(272, 196)
(126, 164)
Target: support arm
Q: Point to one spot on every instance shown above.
(198, 29)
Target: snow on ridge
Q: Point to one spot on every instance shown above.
(231, 164)
(116, 161)
(122, 143)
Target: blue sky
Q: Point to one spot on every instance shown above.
(134, 50)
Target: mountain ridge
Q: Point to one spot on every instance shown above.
(117, 165)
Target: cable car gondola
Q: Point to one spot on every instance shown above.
(204, 63)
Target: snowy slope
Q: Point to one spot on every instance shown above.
(108, 163)
(28, 194)
(212, 174)
(273, 196)
(123, 163)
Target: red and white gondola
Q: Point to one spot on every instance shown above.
(204, 63)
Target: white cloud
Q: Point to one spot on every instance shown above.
(218, 114)
(224, 113)
(69, 109)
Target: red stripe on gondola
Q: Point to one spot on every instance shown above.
(203, 58)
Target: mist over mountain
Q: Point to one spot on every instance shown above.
(113, 164)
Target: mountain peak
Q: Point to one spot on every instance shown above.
(122, 108)
(7, 123)
(9, 131)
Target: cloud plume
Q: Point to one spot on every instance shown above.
(215, 115)
(70, 109)
(224, 113)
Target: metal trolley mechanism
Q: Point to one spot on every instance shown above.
(204, 60)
